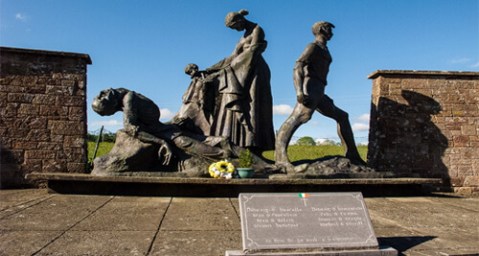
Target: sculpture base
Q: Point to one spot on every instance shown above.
(65, 183)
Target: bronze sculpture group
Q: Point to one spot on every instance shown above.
(226, 109)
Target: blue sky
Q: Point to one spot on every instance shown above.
(145, 45)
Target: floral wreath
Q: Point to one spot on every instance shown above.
(221, 170)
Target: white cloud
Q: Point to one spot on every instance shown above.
(282, 109)
(166, 114)
(465, 61)
(460, 61)
(364, 117)
(21, 17)
(107, 123)
(360, 127)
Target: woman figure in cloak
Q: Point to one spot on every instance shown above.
(244, 110)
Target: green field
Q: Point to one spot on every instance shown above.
(295, 152)
(103, 149)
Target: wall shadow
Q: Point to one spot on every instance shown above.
(10, 175)
(404, 243)
(407, 141)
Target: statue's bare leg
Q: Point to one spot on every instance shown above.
(301, 114)
(345, 133)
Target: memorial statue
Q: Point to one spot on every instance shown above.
(244, 111)
(310, 79)
(226, 110)
(143, 132)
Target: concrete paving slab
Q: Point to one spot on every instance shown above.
(16, 197)
(468, 203)
(25, 242)
(22, 206)
(201, 214)
(446, 239)
(127, 214)
(426, 213)
(101, 243)
(196, 243)
(56, 213)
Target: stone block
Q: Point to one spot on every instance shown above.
(74, 141)
(51, 146)
(21, 97)
(26, 109)
(58, 127)
(76, 167)
(32, 165)
(41, 99)
(76, 113)
(78, 101)
(469, 130)
(38, 135)
(39, 154)
(10, 110)
(34, 89)
(471, 181)
(54, 165)
(59, 90)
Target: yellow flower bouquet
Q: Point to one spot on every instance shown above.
(221, 170)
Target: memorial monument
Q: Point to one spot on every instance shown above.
(227, 109)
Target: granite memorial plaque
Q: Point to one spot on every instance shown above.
(319, 221)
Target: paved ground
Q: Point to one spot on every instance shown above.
(33, 222)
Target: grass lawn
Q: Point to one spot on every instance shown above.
(103, 149)
(295, 152)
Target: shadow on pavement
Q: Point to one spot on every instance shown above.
(404, 243)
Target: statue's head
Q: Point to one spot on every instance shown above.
(107, 102)
(191, 69)
(236, 20)
(323, 28)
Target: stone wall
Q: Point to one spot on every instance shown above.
(42, 113)
(426, 124)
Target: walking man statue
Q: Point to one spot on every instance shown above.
(310, 73)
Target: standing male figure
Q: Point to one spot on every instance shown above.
(310, 73)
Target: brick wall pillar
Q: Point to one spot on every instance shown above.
(426, 123)
(42, 113)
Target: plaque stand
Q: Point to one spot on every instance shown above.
(386, 251)
(295, 224)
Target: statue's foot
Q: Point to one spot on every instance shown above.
(356, 160)
(285, 167)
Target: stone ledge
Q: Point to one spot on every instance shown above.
(183, 186)
(84, 56)
(409, 73)
(211, 181)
